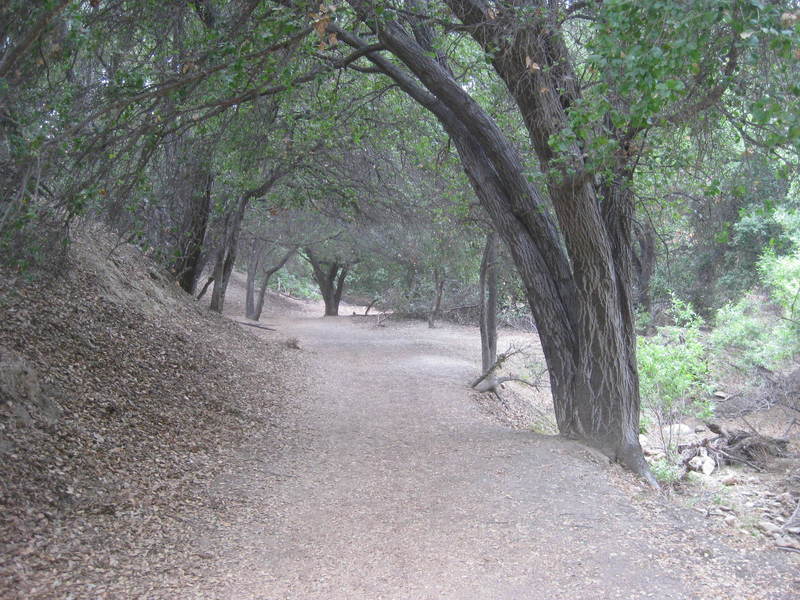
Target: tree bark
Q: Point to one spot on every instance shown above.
(195, 221)
(254, 257)
(488, 308)
(226, 258)
(577, 280)
(436, 305)
(644, 266)
(254, 308)
(330, 277)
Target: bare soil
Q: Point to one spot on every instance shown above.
(400, 485)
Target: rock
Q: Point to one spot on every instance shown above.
(678, 434)
(700, 429)
(769, 528)
(703, 464)
(787, 541)
(676, 430)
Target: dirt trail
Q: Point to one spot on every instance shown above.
(397, 486)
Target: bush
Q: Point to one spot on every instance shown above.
(752, 336)
(765, 331)
(298, 287)
(673, 371)
(666, 471)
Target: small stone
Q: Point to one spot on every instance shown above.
(677, 433)
(769, 528)
(702, 464)
(708, 465)
(700, 429)
(787, 541)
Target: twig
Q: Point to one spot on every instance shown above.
(256, 326)
(497, 364)
(737, 459)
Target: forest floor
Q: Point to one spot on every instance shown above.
(358, 465)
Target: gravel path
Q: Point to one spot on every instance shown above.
(397, 486)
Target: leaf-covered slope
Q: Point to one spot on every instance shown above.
(151, 388)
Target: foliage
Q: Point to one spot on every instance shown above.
(750, 336)
(764, 331)
(666, 471)
(673, 369)
(295, 282)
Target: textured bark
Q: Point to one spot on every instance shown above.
(226, 256)
(488, 312)
(188, 264)
(438, 293)
(577, 276)
(644, 266)
(330, 277)
(254, 301)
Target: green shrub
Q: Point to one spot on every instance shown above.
(673, 370)
(765, 331)
(666, 471)
(298, 287)
(747, 335)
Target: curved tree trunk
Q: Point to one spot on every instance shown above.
(226, 257)
(576, 277)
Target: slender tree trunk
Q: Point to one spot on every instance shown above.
(226, 258)
(195, 223)
(205, 288)
(253, 264)
(436, 306)
(644, 265)
(488, 309)
(262, 292)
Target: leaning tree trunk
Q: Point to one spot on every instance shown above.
(488, 308)
(258, 306)
(226, 257)
(581, 299)
(253, 264)
(187, 266)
